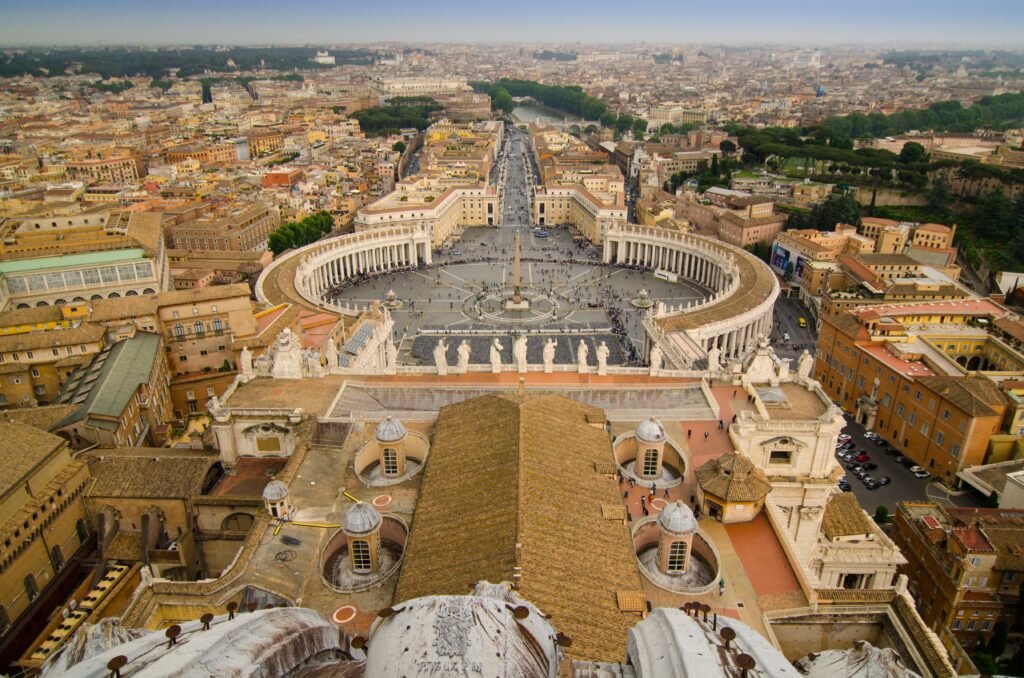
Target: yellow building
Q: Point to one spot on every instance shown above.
(43, 522)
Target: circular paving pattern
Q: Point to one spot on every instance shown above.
(381, 500)
(345, 614)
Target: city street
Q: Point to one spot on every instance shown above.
(788, 311)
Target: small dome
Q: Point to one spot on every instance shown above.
(677, 518)
(651, 431)
(390, 431)
(361, 518)
(275, 491)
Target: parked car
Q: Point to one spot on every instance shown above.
(845, 437)
(863, 456)
(869, 465)
(908, 462)
(871, 484)
(915, 468)
(866, 478)
(884, 480)
(921, 474)
(845, 486)
(846, 456)
(849, 445)
(861, 473)
(853, 466)
(871, 435)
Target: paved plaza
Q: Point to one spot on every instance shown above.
(462, 294)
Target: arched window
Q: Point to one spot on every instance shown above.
(390, 462)
(57, 556)
(218, 326)
(361, 556)
(82, 529)
(31, 588)
(238, 522)
(198, 328)
(179, 331)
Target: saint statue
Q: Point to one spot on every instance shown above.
(441, 357)
(519, 353)
(581, 356)
(464, 350)
(655, 358)
(804, 364)
(496, 355)
(549, 354)
(602, 358)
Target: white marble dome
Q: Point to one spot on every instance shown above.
(390, 431)
(677, 518)
(361, 519)
(275, 491)
(651, 431)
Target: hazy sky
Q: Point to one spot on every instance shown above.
(912, 22)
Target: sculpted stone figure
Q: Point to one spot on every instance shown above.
(287, 356)
(804, 363)
(549, 355)
(391, 354)
(464, 350)
(581, 356)
(602, 358)
(245, 362)
(332, 353)
(655, 359)
(496, 355)
(441, 357)
(519, 353)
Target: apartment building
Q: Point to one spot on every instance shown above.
(122, 395)
(228, 228)
(43, 526)
(965, 567)
(918, 375)
(109, 167)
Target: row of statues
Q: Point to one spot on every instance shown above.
(519, 347)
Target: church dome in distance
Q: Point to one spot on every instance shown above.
(361, 519)
(390, 431)
(677, 518)
(651, 431)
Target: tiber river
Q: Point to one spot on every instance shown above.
(526, 113)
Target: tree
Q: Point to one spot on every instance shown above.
(881, 515)
(639, 128)
(997, 643)
(399, 146)
(985, 664)
(623, 123)
(727, 147)
(939, 196)
(667, 128)
(714, 165)
(913, 152)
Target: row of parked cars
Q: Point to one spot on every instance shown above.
(858, 462)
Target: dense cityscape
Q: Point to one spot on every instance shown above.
(553, 358)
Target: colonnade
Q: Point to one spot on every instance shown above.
(738, 281)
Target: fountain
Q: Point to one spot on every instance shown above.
(643, 301)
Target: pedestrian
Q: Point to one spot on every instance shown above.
(654, 488)
(721, 587)
(689, 432)
(693, 500)
(643, 500)
(666, 493)
(705, 435)
(734, 418)
(734, 393)
(625, 495)
(632, 483)
(646, 512)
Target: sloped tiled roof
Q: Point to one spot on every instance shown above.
(24, 447)
(844, 517)
(513, 485)
(150, 473)
(732, 477)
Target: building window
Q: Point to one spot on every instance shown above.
(218, 326)
(780, 457)
(955, 450)
(57, 556)
(179, 331)
(198, 328)
(939, 438)
(390, 462)
(962, 426)
(924, 427)
(31, 587)
(35, 372)
(899, 410)
(677, 557)
(985, 626)
(361, 556)
(970, 625)
(650, 462)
